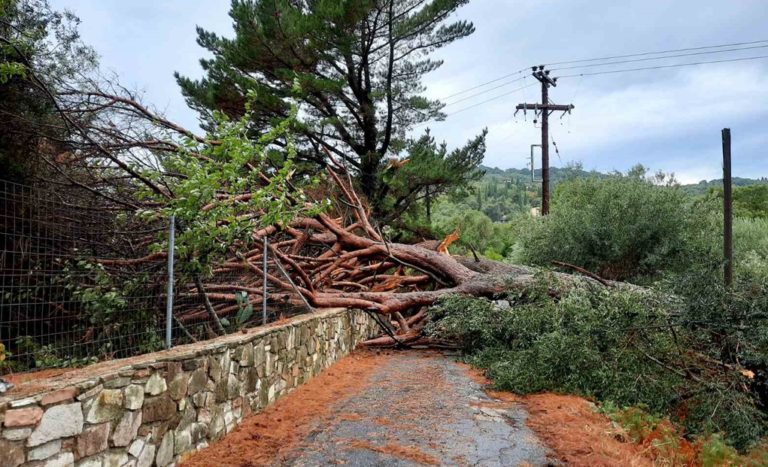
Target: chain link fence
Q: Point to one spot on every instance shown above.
(85, 280)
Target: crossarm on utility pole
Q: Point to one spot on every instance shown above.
(550, 107)
(546, 108)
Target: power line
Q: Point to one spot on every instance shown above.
(486, 83)
(611, 57)
(480, 103)
(734, 44)
(486, 91)
(491, 99)
(660, 58)
(657, 67)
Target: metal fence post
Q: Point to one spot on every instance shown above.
(169, 297)
(264, 282)
(293, 285)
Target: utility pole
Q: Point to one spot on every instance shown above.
(545, 108)
(727, 209)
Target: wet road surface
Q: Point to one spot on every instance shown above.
(421, 409)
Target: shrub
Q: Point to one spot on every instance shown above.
(478, 231)
(750, 238)
(748, 201)
(728, 325)
(620, 227)
(665, 441)
(623, 346)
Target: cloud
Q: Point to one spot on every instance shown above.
(666, 119)
(145, 41)
(651, 122)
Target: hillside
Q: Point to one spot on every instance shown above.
(502, 193)
(486, 214)
(704, 186)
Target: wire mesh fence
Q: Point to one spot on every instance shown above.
(84, 280)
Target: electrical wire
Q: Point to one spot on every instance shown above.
(486, 91)
(659, 58)
(480, 103)
(491, 99)
(611, 57)
(703, 50)
(734, 44)
(657, 67)
(463, 91)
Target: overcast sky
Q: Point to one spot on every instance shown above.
(666, 119)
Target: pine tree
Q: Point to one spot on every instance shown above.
(353, 67)
(431, 171)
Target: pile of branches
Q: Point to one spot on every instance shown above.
(342, 259)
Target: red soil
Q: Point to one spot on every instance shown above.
(579, 435)
(411, 453)
(573, 429)
(266, 437)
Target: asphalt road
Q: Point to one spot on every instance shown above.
(421, 409)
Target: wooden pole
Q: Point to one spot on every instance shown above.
(546, 108)
(544, 149)
(727, 209)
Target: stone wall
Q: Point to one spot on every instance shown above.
(152, 409)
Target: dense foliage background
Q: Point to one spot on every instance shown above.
(685, 346)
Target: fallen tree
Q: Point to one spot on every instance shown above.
(123, 158)
(345, 261)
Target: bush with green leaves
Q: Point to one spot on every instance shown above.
(228, 187)
(751, 201)
(750, 247)
(477, 231)
(621, 227)
(48, 356)
(748, 201)
(115, 311)
(624, 346)
(244, 312)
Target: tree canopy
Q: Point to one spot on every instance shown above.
(357, 65)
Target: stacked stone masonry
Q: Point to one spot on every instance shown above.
(159, 407)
